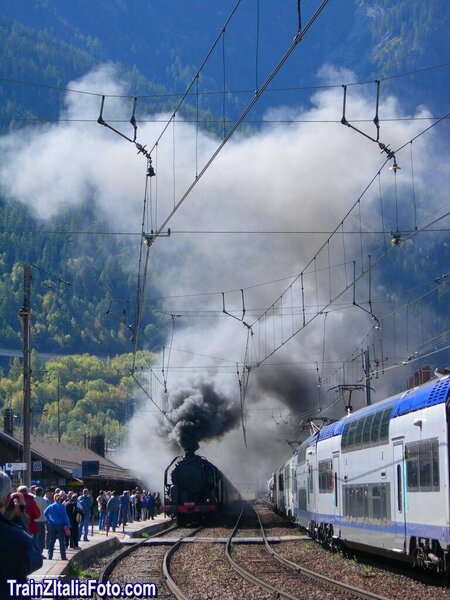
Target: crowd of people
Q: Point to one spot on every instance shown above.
(32, 519)
(138, 505)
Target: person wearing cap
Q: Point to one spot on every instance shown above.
(49, 493)
(19, 552)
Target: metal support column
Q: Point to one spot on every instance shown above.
(367, 376)
(25, 316)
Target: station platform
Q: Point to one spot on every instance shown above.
(100, 544)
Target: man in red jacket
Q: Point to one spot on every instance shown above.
(32, 510)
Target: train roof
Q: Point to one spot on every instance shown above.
(436, 391)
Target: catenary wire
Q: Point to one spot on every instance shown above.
(245, 91)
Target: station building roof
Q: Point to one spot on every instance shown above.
(65, 459)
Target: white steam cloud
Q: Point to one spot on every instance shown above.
(289, 176)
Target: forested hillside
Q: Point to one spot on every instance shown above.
(46, 45)
(52, 43)
(83, 286)
(75, 397)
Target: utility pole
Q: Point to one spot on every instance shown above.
(367, 376)
(59, 424)
(25, 316)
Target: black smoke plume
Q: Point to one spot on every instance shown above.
(292, 387)
(199, 413)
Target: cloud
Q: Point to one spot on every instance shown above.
(301, 173)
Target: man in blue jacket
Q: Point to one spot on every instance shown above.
(20, 555)
(57, 519)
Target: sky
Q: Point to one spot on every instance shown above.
(223, 266)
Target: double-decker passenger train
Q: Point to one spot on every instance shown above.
(378, 479)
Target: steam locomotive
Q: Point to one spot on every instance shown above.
(195, 490)
(377, 480)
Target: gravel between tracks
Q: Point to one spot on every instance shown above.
(203, 572)
(395, 586)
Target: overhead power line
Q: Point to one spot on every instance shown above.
(99, 94)
(190, 232)
(208, 121)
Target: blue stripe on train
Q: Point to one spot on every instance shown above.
(436, 532)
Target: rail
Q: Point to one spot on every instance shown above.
(249, 576)
(355, 591)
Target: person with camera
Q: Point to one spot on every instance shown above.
(19, 551)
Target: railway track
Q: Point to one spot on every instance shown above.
(145, 562)
(187, 566)
(284, 578)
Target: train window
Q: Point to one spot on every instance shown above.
(351, 434)
(287, 477)
(422, 466)
(351, 502)
(384, 426)
(294, 478)
(280, 482)
(386, 502)
(425, 466)
(435, 458)
(302, 498)
(325, 476)
(344, 439)
(359, 432)
(367, 503)
(375, 433)
(302, 455)
(345, 492)
(377, 512)
(367, 429)
(412, 470)
(380, 503)
(360, 504)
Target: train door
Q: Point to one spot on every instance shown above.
(294, 488)
(310, 487)
(280, 504)
(287, 491)
(337, 491)
(399, 496)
